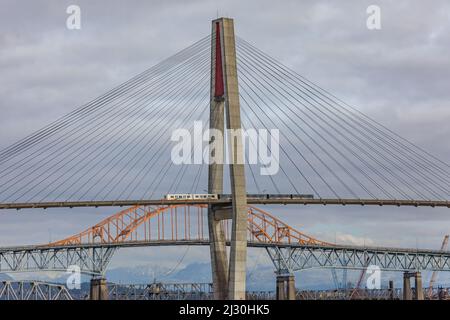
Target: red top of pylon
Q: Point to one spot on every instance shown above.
(218, 84)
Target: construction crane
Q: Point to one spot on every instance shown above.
(355, 290)
(434, 275)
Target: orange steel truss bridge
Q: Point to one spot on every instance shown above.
(185, 225)
(118, 150)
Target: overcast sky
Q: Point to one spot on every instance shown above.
(399, 75)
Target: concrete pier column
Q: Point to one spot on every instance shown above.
(219, 261)
(418, 284)
(99, 289)
(290, 287)
(407, 294)
(285, 287)
(281, 288)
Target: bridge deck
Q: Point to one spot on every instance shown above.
(286, 201)
(205, 242)
(94, 258)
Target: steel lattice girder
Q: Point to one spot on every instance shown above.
(91, 260)
(287, 258)
(33, 290)
(290, 259)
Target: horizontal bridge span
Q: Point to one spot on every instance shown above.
(93, 258)
(205, 242)
(287, 201)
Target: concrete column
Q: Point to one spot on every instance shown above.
(290, 287)
(285, 287)
(218, 251)
(99, 289)
(219, 262)
(280, 289)
(418, 284)
(407, 294)
(225, 100)
(238, 243)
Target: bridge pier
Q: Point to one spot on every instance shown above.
(99, 289)
(285, 287)
(419, 288)
(218, 251)
(407, 292)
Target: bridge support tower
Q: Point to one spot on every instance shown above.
(228, 275)
(99, 289)
(285, 289)
(407, 292)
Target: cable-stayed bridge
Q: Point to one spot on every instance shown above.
(118, 146)
(117, 150)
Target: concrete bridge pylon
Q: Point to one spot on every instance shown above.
(228, 275)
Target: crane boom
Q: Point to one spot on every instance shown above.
(361, 277)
